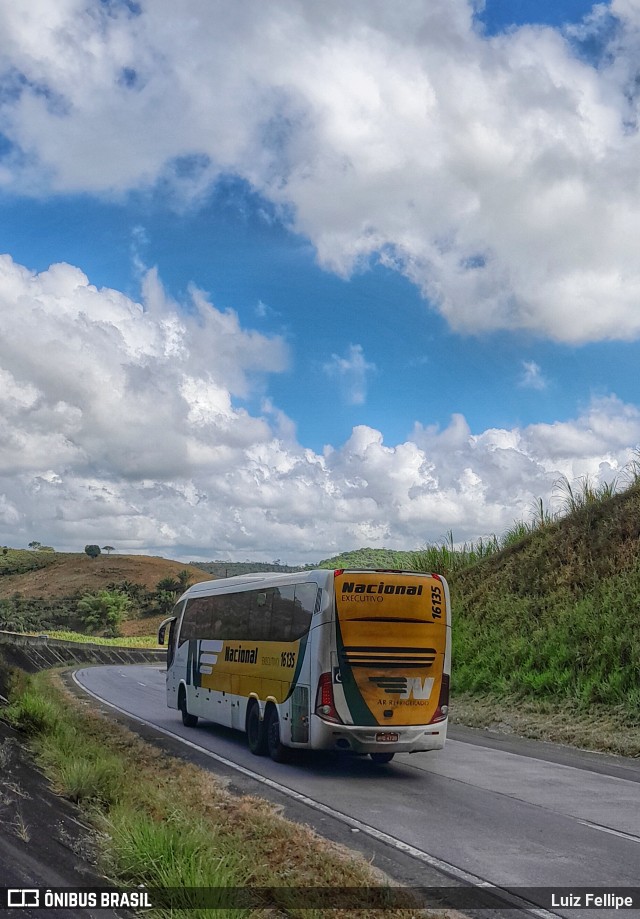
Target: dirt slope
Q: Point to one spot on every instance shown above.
(72, 573)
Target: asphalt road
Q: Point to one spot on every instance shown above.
(510, 812)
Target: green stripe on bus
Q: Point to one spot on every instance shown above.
(360, 711)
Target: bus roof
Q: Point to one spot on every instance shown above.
(275, 578)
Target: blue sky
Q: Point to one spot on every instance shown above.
(328, 278)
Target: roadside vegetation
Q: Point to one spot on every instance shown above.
(132, 641)
(164, 823)
(556, 614)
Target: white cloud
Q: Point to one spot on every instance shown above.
(97, 381)
(351, 372)
(532, 376)
(499, 174)
(118, 425)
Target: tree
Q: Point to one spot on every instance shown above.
(184, 577)
(170, 584)
(35, 545)
(92, 551)
(165, 600)
(103, 612)
(107, 549)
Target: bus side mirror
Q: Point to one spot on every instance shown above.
(162, 628)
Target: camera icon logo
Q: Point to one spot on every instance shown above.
(20, 898)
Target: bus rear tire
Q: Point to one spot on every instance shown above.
(189, 721)
(381, 758)
(256, 731)
(277, 751)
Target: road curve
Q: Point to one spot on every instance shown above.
(512, 813)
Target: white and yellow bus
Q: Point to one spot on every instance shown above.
(352, 660)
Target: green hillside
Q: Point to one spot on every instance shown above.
(19, 561)
(370, 558)
(557, 614)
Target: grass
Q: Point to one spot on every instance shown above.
(164, 823)
(555, 616)
(138, 641)
(19, 561)
(602, 728)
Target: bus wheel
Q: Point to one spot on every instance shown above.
(189, 721)
(382, 757)
(277, 751)
(256, 731)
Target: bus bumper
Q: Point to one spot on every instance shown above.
(412, 739)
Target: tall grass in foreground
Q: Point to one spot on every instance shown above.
(150, 839)
(166, 824)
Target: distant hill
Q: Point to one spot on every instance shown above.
(221, 569)
(53, 575)
(358, 558)
(371, 558)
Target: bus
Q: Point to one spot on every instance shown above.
(352, 660)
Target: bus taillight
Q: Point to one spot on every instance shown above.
(443, 701)
(325, 706)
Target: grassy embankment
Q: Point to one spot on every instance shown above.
(163, 823)
(547, 630)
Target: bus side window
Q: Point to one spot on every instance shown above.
(204, 617)
(188, 630)
(283, 612)
(171, 644)
(219, 619)
(305, 602)
(235, 614)
(260, 614)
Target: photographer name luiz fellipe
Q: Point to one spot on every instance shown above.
(601, 898)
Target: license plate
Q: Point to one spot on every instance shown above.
(387, 737)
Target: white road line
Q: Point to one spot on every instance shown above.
(608, 829)
(437, 863)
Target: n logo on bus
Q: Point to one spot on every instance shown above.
(404, 687)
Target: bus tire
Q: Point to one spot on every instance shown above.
(277, 751)
(189, 721)
(382, 757)
(256, 731)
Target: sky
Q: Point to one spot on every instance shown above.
(282, 280)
